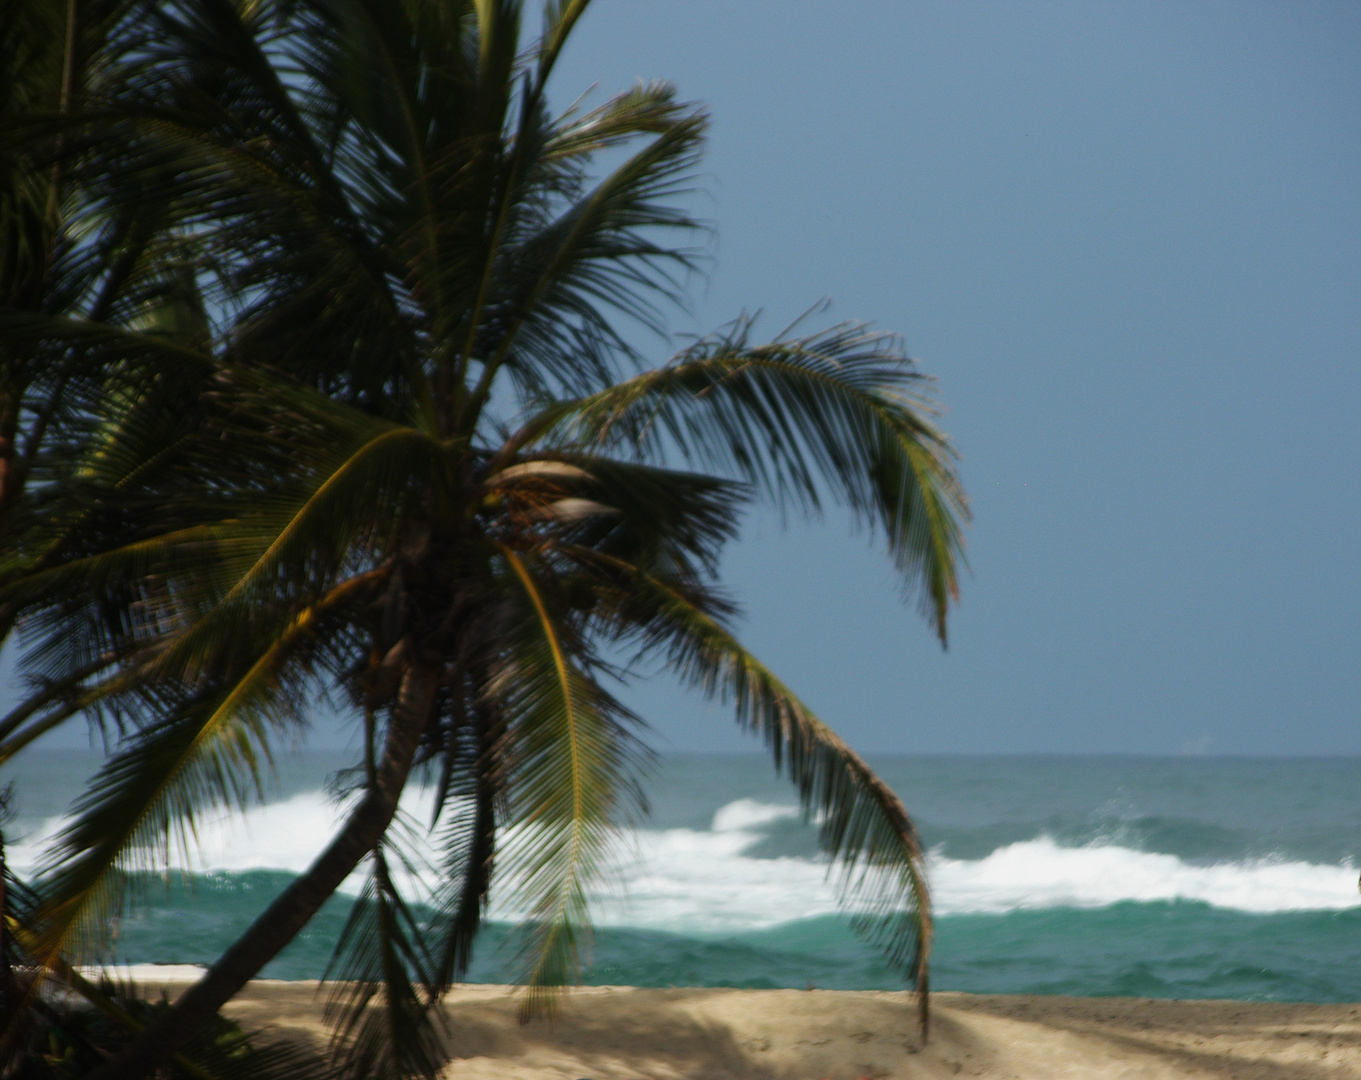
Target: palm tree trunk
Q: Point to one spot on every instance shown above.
(296, 905)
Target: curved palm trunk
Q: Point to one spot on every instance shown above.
(296, 905)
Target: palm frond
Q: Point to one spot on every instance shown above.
(51, 719)
(381, 1006)
(145, 802)
(843, 408)
(203, 756)
(471, 792)
(49, 695)
(338, 511)
(571, 759)
(559, 17)
(604, 252)
(862, 824)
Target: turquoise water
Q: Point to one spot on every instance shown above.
(1187, 878)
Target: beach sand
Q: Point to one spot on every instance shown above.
(622, 1033)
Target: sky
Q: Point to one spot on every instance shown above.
(1126, 239)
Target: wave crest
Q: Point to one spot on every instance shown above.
(707, 881)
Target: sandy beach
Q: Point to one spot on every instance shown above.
(623, 1033)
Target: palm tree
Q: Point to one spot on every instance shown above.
(394, 442)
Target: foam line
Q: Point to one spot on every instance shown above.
(701, 880)
(1040, 874)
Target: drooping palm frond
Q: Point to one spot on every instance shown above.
(115, 423)
(573, 769)
(472, 791)
(839, 413)
(144, 805)
(84, 1021)
(382, 1005)
(271, 550)
(862, 824)
(221, 585)
(51, 704)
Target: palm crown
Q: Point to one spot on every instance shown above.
(377, 433)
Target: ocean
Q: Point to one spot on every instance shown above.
(1188, 877)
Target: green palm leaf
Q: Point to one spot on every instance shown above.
(842, 408)
(570, 773)
(148, 798)
(863, 825)
(383, 1026)
(558, 281)
(468, 840)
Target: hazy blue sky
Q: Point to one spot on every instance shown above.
(1127, 239)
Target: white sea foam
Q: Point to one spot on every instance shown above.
(747, 814)
(1041, 874)
(701, 881)
(284, 835)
